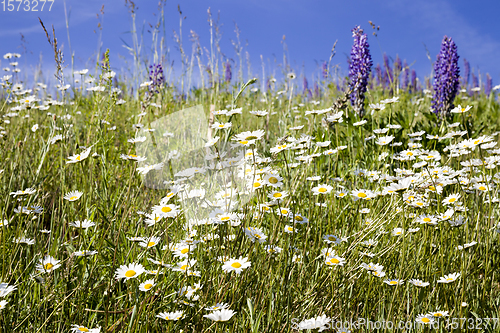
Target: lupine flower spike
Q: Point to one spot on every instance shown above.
(359, 69)
(446, 76)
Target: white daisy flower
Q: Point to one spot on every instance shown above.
(220, 315)
(147, 285)
(73, 195)
(236, 265)
(449, 278)
(131, 271)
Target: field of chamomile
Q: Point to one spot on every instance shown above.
(249, 204)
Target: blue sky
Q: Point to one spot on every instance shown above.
(311, 27)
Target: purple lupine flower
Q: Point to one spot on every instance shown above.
(378, 73)
(475, 81)
(388, 79)
(359, 69)
(229, 74)
(306, 87)
(316, 90)
(397, 64)
(489, 84)
(397, 68)
(466, 72)
(156, 75)
(324, 70)
(406, 75)
(446, 77)
(413, 81)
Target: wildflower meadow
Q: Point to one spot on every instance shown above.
(221, 199)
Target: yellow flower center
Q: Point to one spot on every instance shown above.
(83, 329)
(130, 273)
(78, 158)
(449, 279)
(236, 265)
(426, 219)
(221, 125)
(48, 266)
(184, 251)
(322, 190)
(334, 261)
(393, 282)
(299, 218)
(225, 218)
(132, 156)
(183, 267)
(438, 315)
(482, 188)
(244, 142)
(362, 195)
(426, 320)
(284, 211)
(432, 188)
(73, 198)
(273, 180)
(148, 286)
(251, 137)
(151, 244)
(453, 199)
(166, 209)
(277, 195)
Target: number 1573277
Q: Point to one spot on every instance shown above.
(27, 5)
